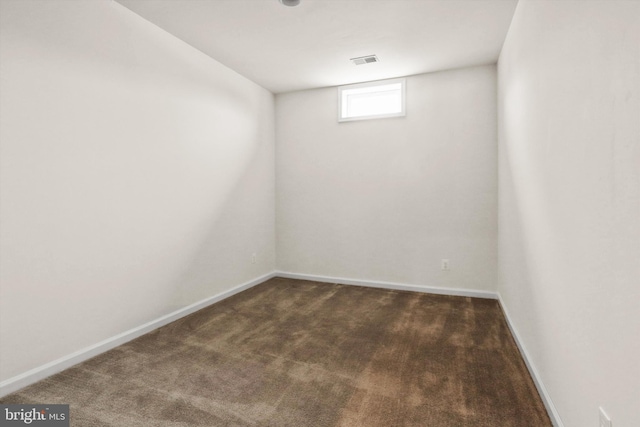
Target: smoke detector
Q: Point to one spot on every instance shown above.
(369, 59)
(290, 3)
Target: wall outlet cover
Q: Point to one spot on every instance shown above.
(605, 421)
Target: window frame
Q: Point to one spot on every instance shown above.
(401, 113)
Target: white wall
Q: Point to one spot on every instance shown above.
(137, 177)
(387, 199)
(569, 246)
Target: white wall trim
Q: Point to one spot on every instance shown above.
(391, 285)
(37, 374)
(542, 390)
(34, 375)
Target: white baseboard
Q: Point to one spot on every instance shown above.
(13, 384)
(542, 390)
(390, 285)
(44, 371)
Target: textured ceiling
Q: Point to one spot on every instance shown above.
(292, 48)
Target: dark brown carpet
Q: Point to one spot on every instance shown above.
(297, 353)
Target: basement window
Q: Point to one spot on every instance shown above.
(372, 100)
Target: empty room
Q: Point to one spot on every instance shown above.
(354, 213)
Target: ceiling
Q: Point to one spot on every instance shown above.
(292, 48)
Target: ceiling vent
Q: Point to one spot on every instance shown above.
(369, 59)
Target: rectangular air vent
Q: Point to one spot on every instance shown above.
(365, 60)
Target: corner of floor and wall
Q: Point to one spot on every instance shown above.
(569, 202)
(142, 180)
(137, 182)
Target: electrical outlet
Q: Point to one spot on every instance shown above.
(444, 264)
(605, 421)
(254, 258)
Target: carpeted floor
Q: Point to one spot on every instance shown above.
(298, 353)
